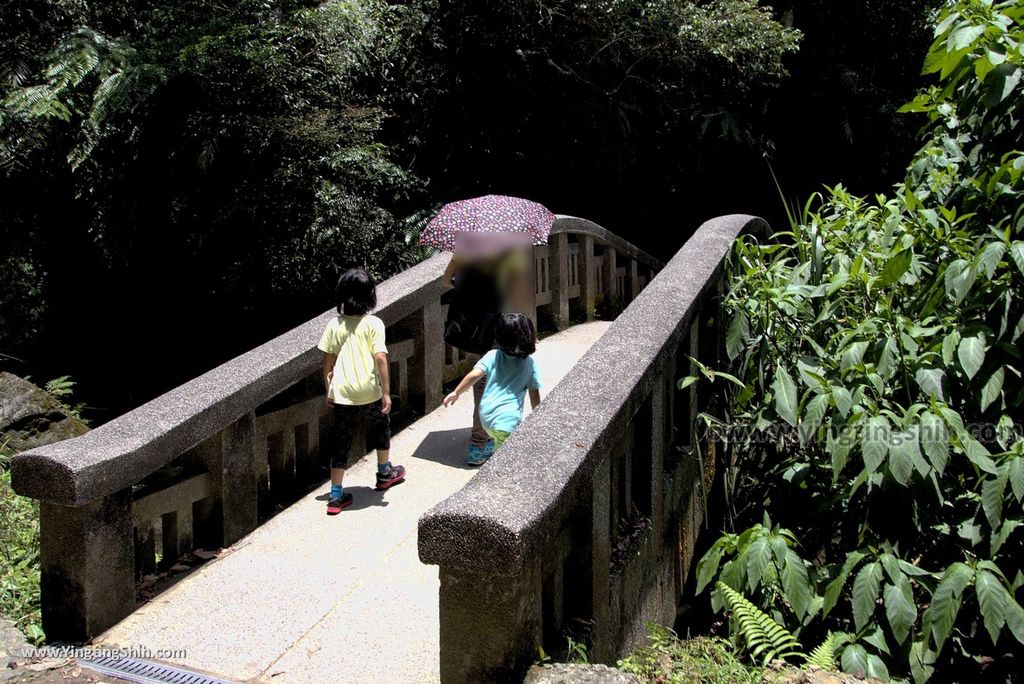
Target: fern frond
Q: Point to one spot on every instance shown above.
(823, 657)
(60, 388)
(764, 638)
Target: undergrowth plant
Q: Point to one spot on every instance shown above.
(766, 640)
(667, 659)
(877, 472)
(19, 556)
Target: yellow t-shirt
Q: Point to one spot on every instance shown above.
(355, 339)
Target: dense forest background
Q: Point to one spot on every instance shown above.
(183, 180)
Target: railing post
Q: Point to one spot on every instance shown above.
(490, 625)
(88, 566)
(588, 284)
(426, 367)
(558, 278)
(609, 278)
(237, 479)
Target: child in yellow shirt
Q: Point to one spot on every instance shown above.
(357, 383)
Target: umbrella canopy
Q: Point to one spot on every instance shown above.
(496, 214)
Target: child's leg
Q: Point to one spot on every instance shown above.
(340, 444)
(378, 436)
(337, 476)
(499, 437)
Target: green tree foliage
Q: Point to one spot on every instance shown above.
(578, 101)
(879, 342)
(214, 165)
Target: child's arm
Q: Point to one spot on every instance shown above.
(534, 398)
(329, 360)
(467, 382)
(385, 381)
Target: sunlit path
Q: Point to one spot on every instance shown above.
(308, 598)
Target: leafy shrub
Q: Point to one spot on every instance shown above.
(19, 551)
(878, 341)
(671, 660)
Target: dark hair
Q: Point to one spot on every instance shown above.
(516, 335)
(356, 293)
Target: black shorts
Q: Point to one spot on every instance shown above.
(346, 421)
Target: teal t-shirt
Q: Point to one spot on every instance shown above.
(508, 379)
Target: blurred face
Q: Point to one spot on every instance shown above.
(477, 245)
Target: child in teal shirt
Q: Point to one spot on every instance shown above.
(511, 373)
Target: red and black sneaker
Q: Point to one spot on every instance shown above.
(390, 477)
(336, 505)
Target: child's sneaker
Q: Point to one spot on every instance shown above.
(479, 455)
(389, 477)
(336, 505)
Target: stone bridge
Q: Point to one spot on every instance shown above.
(584, 524)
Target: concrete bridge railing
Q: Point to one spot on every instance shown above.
(204, 464)
(586, 519)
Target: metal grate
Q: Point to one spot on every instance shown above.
(145, 672)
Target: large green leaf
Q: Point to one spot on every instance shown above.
(922, 661)
(758, 556)
(971, 353)
(992, 494)
(945, 603)
(1015, 619)
(895, 267)
(843, 400)
(934, 437)
(900, 608)
(977, 453)
(707, 568)
(865, 593)
(930, 381)
(855, 660)
(875, 442)
(737, 335)
(814, 412)
(1017, 253)
(988, 259)
(853, 355)
(993, 602)
(963, 37)
(903, 453)
(786, 399)
(1015, 474)
(877, 669)
(795, 582)
(992, 388)
(887, 358)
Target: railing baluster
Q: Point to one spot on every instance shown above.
(609, 279)
(588, 277)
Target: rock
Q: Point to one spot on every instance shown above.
(30, 417)
(13, 646)
(561, 673)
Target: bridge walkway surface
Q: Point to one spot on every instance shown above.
(311, 598)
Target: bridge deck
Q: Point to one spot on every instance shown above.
(311, 598)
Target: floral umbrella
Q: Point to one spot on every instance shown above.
(488, 214)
